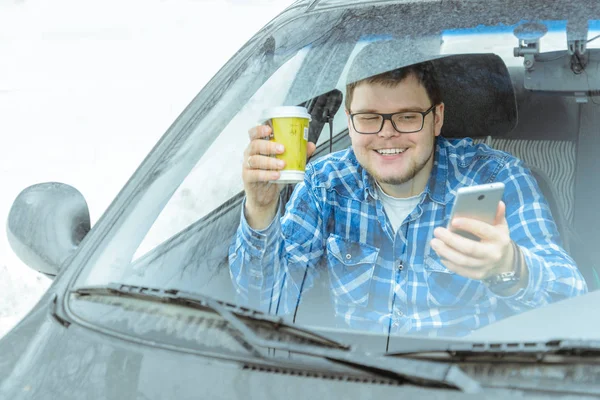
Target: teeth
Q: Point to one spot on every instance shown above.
(390, 151)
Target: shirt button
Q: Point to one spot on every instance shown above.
(399, 266)
(348, 256)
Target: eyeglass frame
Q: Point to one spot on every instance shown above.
(387, 117)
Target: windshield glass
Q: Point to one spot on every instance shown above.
(408, 106)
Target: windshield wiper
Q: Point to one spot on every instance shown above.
(203, 302)
(550, 351)
(419, 372)
(573, 360)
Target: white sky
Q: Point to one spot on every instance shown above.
(88, 87)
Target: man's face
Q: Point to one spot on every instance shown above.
(417, 156)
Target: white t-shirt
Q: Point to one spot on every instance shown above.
(397, 209)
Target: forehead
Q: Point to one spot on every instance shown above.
(389, 96)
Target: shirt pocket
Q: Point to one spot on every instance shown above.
(351, 266)
(448, 289)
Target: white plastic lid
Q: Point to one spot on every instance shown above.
(286, 112)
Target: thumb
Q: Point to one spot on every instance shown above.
(310, 149)
(500, 213)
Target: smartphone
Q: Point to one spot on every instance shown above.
(478, 202)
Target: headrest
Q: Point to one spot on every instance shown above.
(476, 88)
(478, 95)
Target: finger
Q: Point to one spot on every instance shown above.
(454, 256)
(461, 244)
(265, 147)
(471, 273)
(310, 149)
(500, 214)
(260, 132)
(263, 162)
(259, 176)
(478, 228)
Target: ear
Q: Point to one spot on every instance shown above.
(439, 119)
(350, 130)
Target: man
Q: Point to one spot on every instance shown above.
(374, 216)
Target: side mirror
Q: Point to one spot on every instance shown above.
(45, 225)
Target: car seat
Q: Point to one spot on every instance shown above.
(545, 139)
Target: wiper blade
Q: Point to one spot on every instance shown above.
(195, 300)
(550, 351)
(531, 366)
(423, 373)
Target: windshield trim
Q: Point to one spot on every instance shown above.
(134, 189)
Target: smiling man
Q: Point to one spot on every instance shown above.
(372, 217)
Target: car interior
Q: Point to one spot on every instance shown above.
(554, 133)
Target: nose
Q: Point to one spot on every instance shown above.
(388, 130)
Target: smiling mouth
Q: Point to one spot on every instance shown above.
(390, 152)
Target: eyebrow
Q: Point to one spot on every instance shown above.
(399, 110)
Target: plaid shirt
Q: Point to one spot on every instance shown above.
(334, 224)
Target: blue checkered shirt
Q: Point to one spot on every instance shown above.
(335, 225)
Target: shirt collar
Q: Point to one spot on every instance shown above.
(436, 185)
(368, 184)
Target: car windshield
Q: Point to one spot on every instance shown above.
(475, 92)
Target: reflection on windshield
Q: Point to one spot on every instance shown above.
(380, 235)
(497, 40)
(200, 193)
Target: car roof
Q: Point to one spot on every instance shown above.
(466, 13)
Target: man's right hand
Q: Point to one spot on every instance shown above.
(259, 169)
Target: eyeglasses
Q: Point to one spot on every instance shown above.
(403, 122)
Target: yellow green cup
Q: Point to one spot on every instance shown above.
(290, 128)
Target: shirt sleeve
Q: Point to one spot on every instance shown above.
(553, 274)
(272, 268)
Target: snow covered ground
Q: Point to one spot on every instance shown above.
(87, 88)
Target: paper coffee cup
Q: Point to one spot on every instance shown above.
(290, 128)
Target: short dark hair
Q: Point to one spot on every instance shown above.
(424, 73)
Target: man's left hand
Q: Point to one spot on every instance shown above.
(491, 256)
